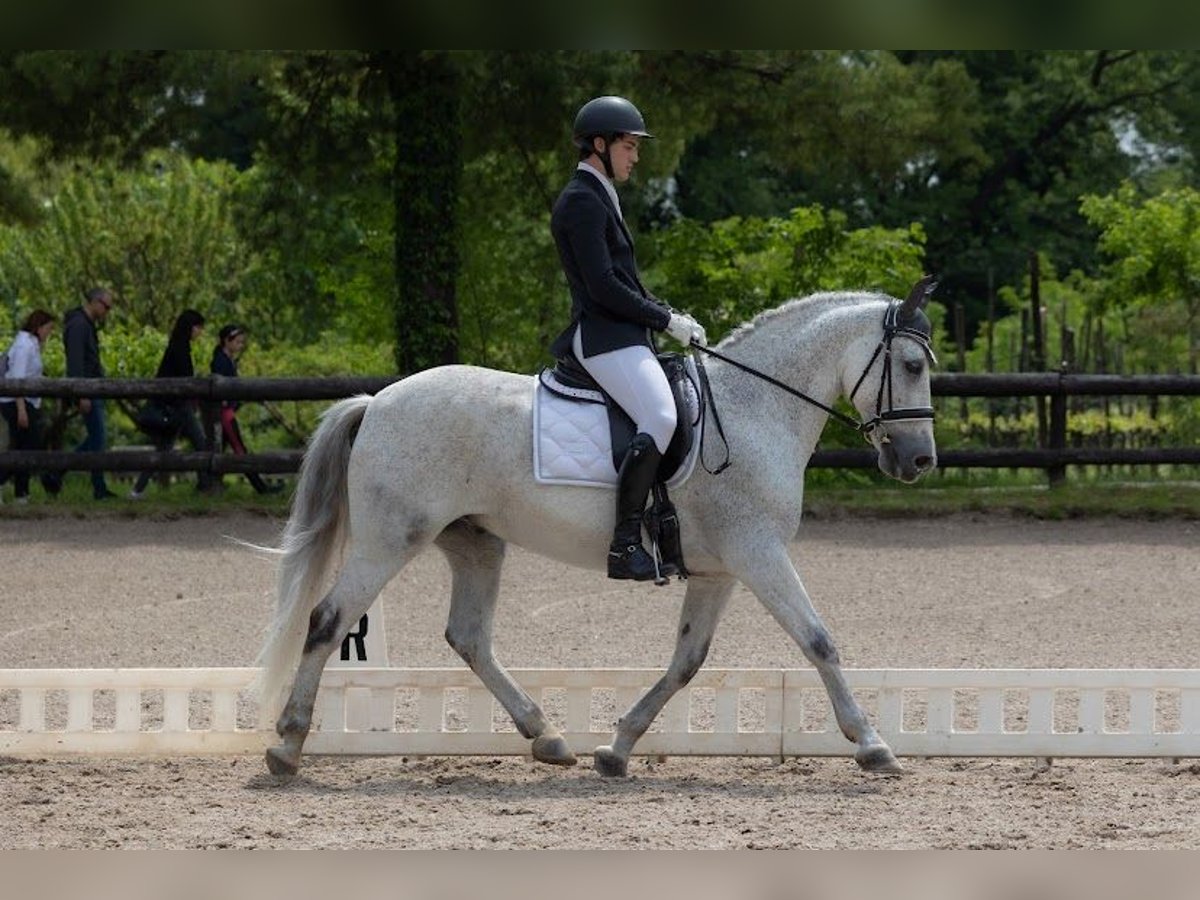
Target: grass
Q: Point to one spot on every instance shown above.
(177, 499)
(1142, 492)
(1078, 498)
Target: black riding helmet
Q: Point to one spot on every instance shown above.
(607, 117)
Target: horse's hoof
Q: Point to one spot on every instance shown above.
(609, 765)
(878, 758)
(553, 749)
(280, 763)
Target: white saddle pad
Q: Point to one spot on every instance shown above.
(571, 440)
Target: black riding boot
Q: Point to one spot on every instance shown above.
(627, 558)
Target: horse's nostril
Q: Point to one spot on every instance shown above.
(923, 462)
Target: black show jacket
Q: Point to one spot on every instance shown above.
(609, 303)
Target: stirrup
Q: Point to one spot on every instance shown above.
(622, 565)
(661, 575)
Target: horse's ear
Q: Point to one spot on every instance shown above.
(918, 297)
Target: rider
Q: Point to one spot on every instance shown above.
(613, 316)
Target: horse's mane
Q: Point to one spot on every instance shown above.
(802, 308)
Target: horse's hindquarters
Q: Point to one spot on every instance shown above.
(457, 442)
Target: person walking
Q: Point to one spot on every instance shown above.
(181, 419)
(24, 414)
(231, 342)
(613, 317)
(82, 344)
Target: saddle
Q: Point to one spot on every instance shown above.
(570, 383)
(581, 436)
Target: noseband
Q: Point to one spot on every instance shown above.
(892, 328)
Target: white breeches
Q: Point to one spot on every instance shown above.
(633, 377)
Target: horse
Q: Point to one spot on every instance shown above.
(444, 457)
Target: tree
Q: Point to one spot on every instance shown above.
(120, 104)
(989, 151)
(1153, 248)
(730, 270)
(160, 234)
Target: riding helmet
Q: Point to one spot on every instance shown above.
(605, 117)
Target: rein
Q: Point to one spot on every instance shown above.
(891, 328)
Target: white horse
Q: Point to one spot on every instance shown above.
(445, 457)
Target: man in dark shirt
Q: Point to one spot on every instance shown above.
(82, 345)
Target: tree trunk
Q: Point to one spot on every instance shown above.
(425, 93)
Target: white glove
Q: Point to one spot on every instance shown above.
(686, 330)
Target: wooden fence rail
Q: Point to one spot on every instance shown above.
(1053, 458)
(216, 387)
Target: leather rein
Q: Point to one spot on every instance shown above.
(892, 328)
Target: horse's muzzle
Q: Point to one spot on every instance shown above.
(906, 457)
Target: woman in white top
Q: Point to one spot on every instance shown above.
(23, 414)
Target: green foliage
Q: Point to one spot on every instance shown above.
(1085, 428)
(727, 272)
(160, 235)
(22, 179)
(324, 261)
(1153, 245)
(1071, 302)
(335, 353)
(512, 295)
(318, 204)
(1088, 493)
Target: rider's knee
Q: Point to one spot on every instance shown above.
(661, 426)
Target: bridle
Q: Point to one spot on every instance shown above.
(892, 328)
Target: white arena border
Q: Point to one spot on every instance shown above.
(150, 711)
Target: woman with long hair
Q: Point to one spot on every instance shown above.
(182, 418)
(231, 341)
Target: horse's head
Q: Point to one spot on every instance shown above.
(889, 386)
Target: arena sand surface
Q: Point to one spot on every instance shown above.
(950, 592)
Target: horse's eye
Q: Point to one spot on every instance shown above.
(914, 366)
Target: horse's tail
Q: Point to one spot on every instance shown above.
(314, 536)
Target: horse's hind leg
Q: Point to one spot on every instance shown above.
(475, 558)
(703, 604)
(356, 587)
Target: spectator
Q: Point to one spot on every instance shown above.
(177, 363)
(83, 361)
(23, 414)
(231, 341)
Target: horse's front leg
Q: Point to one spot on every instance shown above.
(769, 574)
(702, 607)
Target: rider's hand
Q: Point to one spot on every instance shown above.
(686, 330)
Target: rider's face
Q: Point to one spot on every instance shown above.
(624, 156)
